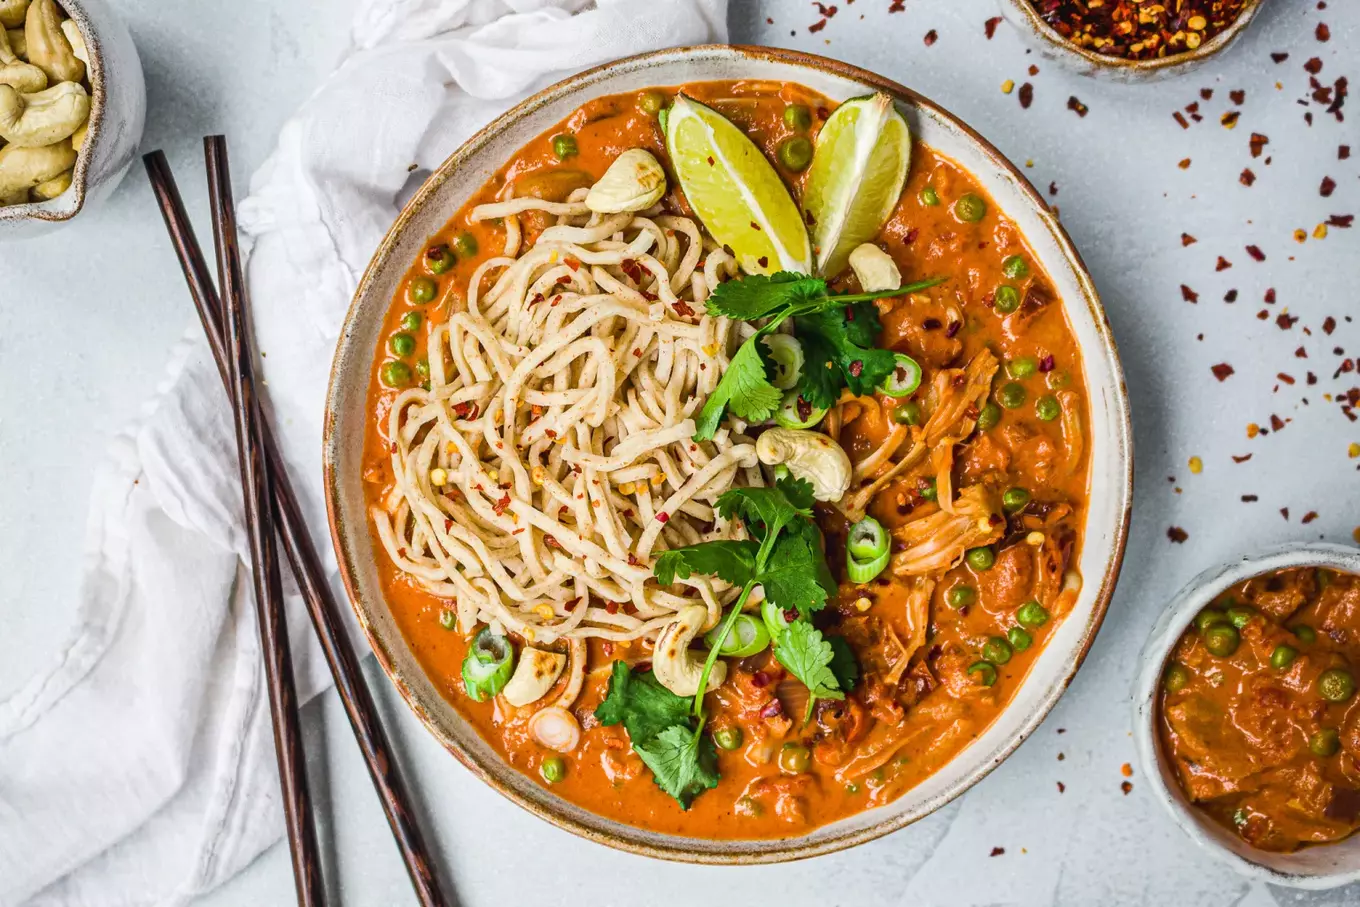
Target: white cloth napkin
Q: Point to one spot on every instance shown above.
(140, 769)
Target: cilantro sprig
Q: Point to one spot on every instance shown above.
(837, 332)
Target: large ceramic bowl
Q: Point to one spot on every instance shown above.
(476, 161)
(1325, 866)
(117, 115)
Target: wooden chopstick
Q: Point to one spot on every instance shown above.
(326, 617)
(256, 488)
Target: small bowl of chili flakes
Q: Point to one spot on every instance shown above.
(1131, 40)
(1247, 714)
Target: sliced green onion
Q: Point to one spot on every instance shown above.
(787, 354)
(489, 663)
(867, 539)
(903, 380)
(863, 571)
(795, 412)
(747, 637)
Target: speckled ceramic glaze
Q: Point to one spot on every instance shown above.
(464, 172)
(1055, 47)
(1325, 866)
(117, 114)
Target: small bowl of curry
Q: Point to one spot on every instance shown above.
(1247, 714)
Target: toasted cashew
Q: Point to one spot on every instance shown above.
(675, 666)
(16, 73)
(875, 268)
(634, 182)
(809, 455)
(12, 12)
(76, 40)
(50, 189)
(48, 48)
(43, 117)
(534, 676)
(18, 43)
(23, 168)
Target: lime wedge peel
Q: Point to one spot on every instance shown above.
(735, 191)
(856, 177)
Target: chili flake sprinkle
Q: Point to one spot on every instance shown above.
(1138, 30)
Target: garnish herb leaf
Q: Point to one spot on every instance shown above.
(797, 577)
(843, 663)
(734, 561)
(744, 388)
(835, 356)
(808, 656)
(684, 763)
(756, 296)
(641, 704)
(764, 510)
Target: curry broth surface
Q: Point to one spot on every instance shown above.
(926, 241)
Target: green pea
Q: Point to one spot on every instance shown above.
(447, 619)
(439, 259)
(794, 758)
(997, 650)
(981, 558)
(970, 208)
(402, 344)
(465, 244)
(423, 368)
(797, 116)
(960, 596)
(983, 672)
(929, 196)
(1019, 639)
(1222, 640)
(795, 153)
(907, 413)
(421, 290)
(554, 769)
(1283, 657)
(930, 492)
(1015, 267)
(1240, 615)
(1047, 408)
(1305, 634)
(1011, 395)
(1006, 299)
(1014, 499)
(728, 738)
(1336, 685)
(395, 373)
(1325, 742)
(1023, 367)
(411, 321)
(1210, 617)
(651, 102)
(1058, 380)
(988, 417)
(1032, 614)
(1176, 679)
(564, 146)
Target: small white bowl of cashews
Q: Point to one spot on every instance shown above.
(72, 107)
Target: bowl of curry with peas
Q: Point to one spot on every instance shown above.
(1248, 719)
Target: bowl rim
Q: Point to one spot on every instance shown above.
(1109, 63)
(94, 73)
(1187, 602)
(1121, 430)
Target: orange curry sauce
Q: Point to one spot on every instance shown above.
(942, 706)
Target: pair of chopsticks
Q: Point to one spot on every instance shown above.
(270, 506)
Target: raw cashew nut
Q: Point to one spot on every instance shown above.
(16, 73)
(48, 48)
(875, 268)
(23, 168)
(534, 676)
(634, 182)
(12, 12)
(50, 189)
(76, 40)
(675, 666)
(809, 455)
(43, 117)
(18, 43)
(78, 137)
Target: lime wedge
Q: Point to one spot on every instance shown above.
(856, 177)
(735, 191)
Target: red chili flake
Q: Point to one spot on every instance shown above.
(1258, 143)
(1256, 253)
(1061, 787)
(1229, 119)
(1262, 315)
(1313, 66)
(1230, 296)
(1328, 324)
(1285, 321)
(1052, 188)
(1126, 787)
(1286, 378)
(1026, 95)
(465, 410)
(931, 37)
(551, 542)
(1188, 240)
(1327, 188)
(949, 332)
(1223, 264)
(856, 368)
(1322, 32)
(682, 308)
(501, 505)
(1270, 296)
(1180, 118)
(998, 851)
(1344, 221)
(1046, 364)
(1177, 535)
(817, 26)
(1300, 353)
(1242, 459)
(448, 524)
(1247, 177)
(1033, 70)
(1343, 152)
(710, 160)
(1188, 294)
(1309, 517)
(990, 26)
(1312, 379)
(663, 516)
(772, 709)
(1222, 371)
(1077, 106)
(611, 607)
(1279, 57)
(573, 264)
(760, 679)
(1276, 423)
(1238, 96)
(1184, 163)
(1284, 512)
(1249, 499)
(763, 261)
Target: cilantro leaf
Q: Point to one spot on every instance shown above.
(796, 576)
(744, 388)
(641, 704)
(757, 296)
(798, 491)
(839, 353)
(765, 510)
(843, 663)
(862, 325)
(734, 561)
(808, 657)
(684, 763)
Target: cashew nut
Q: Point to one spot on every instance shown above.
(634, 182)
(78, 137)
(13, 71)
(43, 117)
(674, 665)
(875, 268)
(809, 455)
(48, 48)
(23, 168)
(18, 43)
(50, 189)
(534, 676)
(76, 40)
(12, 12)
